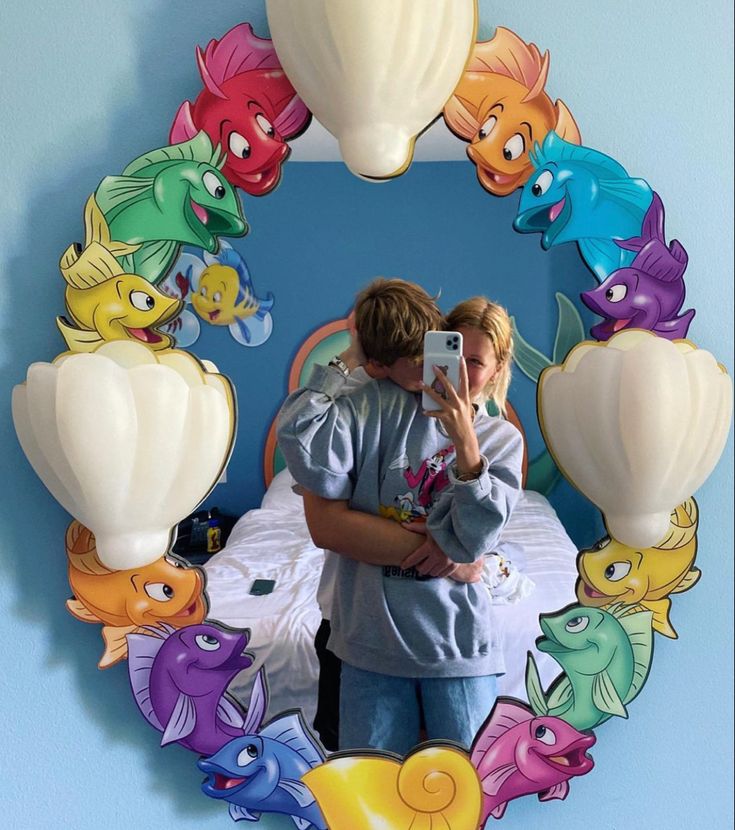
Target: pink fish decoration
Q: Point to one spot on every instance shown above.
(518, 754)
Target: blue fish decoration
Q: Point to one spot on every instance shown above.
(261, 771)
(580, 195)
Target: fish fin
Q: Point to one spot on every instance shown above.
(238, 813)
(142, 651)
(602, 256)
(689, 581)
(633, 194)
(560, 791)
(154, 259)
(529, 360)
(96, 229)
(605, 695)
(492, 782)
(505, 715)
(301, 823)
(197, 149)
(290, 730)
(300, 793)
(116, 644)
(229, 713)
(638, 627)
(183, 127)
(257, 704)
(116, 192)
(661, 621)
(569, 328)
(182, 721)
(499, 810)
(92, 266)
(534, 689)
(561, 696)
(81, 612)
(78, 340)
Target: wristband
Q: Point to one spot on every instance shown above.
(338, 363)
(467, 476)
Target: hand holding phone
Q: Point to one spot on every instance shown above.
(442, 349)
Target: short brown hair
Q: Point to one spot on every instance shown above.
(492, 319)
(391, 318)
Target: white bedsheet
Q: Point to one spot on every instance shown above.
(273, 543)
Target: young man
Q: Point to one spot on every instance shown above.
(398, 633)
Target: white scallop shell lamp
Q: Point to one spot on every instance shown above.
(375, 73)
(636, 424)
(127, 440)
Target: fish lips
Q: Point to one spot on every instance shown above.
(605, 329)
(549, 219)
(220, 782)
(573, 760)
(217, 223)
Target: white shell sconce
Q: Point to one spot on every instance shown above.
(636, 424)
(127, 440)
(375, 73)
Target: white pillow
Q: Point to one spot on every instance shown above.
(280, 494)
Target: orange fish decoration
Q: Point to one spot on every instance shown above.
(501, 108)
(123, 601)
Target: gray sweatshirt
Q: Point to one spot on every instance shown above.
(375, 448)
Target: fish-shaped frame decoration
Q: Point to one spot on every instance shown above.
(124, 602)
(610, 572)
(578, 194)
(501, 107)
(606, 657)
(261, 771)
(180, 677)
(648, 293)
(248, 106)
(105, 303)
(517, 753)
(168, 197)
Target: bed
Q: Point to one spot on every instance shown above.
(273, 542)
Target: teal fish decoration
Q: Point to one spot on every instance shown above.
(168, 197)
(606, 657)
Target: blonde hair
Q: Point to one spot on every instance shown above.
(492, 319)
(391, 318)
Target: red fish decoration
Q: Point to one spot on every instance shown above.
(248, 106)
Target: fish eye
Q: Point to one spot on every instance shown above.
(542, 183)
(545, 735)
(159, 591)
(514, 147)
(239, 145)
(487, 127)
(265, 125)
(617, 571)
(213, 185)
(577, 624)
(203, 291)
(141, 300)
(247, 755)
(616, 293)
(217, 296)
(175, 563)
(206, 642)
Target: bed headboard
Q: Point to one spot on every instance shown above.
(319, 347)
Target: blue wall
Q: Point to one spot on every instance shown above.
(87, 88)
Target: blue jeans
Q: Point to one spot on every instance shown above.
(379, 711)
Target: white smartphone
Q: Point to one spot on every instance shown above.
(442, 349)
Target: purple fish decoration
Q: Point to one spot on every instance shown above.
(179, 678)
(650, 292)
(518, 754)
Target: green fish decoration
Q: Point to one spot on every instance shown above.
(606, 657)
(168, 197)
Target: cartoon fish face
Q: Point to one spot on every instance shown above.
(546, 205)
(549, 750)
(217, 295)
(210, 207)
(580, 637)
(621, 303)
(164, 591)
(245, 771)
(198, 652)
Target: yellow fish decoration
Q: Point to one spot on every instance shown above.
(103, 301)
(436, 788)
(611, 572)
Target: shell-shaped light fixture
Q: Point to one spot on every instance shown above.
(636, 424)
(375, 73)
(127, 440)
